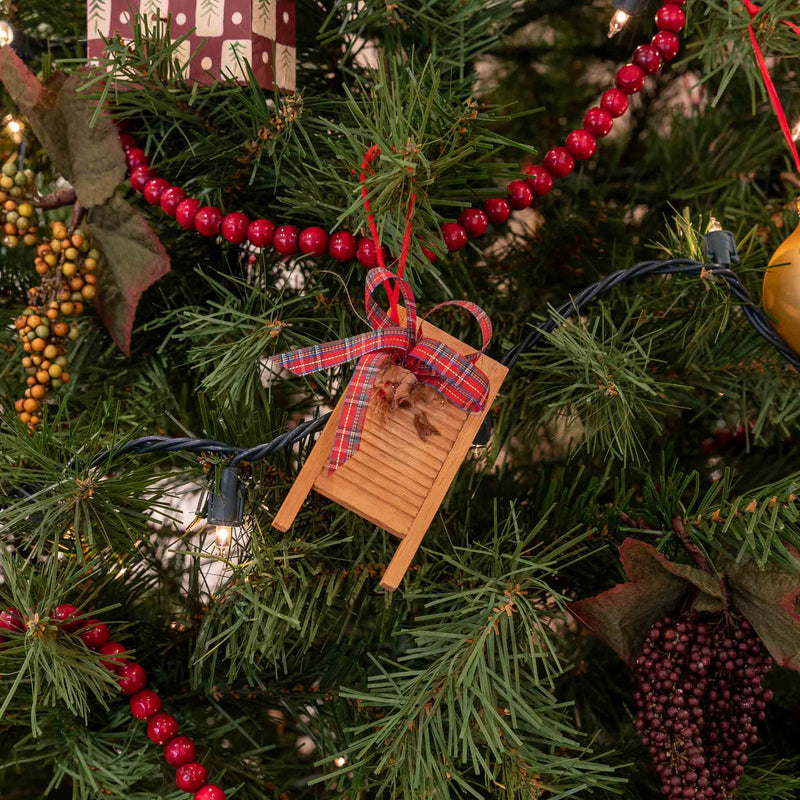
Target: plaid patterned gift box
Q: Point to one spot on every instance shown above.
(261, 32)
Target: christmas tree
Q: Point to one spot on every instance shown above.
(605, 601)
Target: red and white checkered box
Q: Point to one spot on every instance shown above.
(261, 32)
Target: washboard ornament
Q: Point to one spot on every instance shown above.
(408, 417)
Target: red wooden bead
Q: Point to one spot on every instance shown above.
(667, 43)
(539, 179)
(647, 58)
(132, 678)
(429, 254)
(581, 144)
(95, 634)
(61, 615)
(314, 241)
(145, 704)
(367, 253)
(670, 17)
(598, 122)
(190, 777)
(260, 232)
(474, 221)
(343, 246)
(559, 162)
(136, 157)
(161, 728)
(234, 227)
(140, 176)
(127, 141)
(10, 620)
(285, 239)
(112, 649)
(170, 198)
(615, 102)
(153, 189)
(210, 792)
(207, 220)
(185, 212)
(455, 237)
(179, 751)
(630, 78)
(497, 209)
(520, 195)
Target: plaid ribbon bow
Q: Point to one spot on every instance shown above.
(432, 362)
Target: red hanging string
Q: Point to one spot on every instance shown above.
(753, 9)
(392, 291)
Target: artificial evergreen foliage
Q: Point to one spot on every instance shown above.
(657, 414)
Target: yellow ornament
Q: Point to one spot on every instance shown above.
(781, 291)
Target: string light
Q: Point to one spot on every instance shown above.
(14, 127)
(796, 131)
(618, 22)
(6, 33)
(225, 507)
(223, 536)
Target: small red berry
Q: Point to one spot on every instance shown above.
(260, 232)
(497, 209)
(63, 612)
(234, 227)
(520, 195)
(95, 633)
(539, 179)
(581, 144)
(170, 198)
(670, 17)
(207, 220)
(455, 237)
(598, 122)
(630, 78)
(314, 241)
(285, 239)
(210, 792)
(474, 221)
(647, 58)
(127, 141)
(367, 253)
(10, 620)
(343, 246)
(112, 649)
(132, 678)
(145, 704)
(559, 162)
(190, 777)
(153, 189)
(136, 157)
(429, 254)
(667, 43)
(161, 728)
(185, 212)
(179, 751)
(615, 102)
(140, 176)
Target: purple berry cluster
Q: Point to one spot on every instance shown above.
(699, 699)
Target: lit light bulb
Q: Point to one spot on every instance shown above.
(14, 127)
(796, 131)
(618, 22)
(340, 761)
(6, 33)
(223, 535)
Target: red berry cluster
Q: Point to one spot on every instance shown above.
(472, 223)
(700, 697)
(179, 751)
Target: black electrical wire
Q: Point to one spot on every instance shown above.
(575, 305)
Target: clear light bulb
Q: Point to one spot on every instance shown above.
(6, 33)
(223, 535)
(796, 131)
(618, 22)
(14, 126)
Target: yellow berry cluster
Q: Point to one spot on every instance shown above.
(16, 215)
(67, 266)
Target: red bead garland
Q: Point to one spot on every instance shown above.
(179, 751)
(132, 678)
(62, 613)
(537, 179)
(145, 704)
(191, 777)
(161, 728)
(95, 634)
(112, 649)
